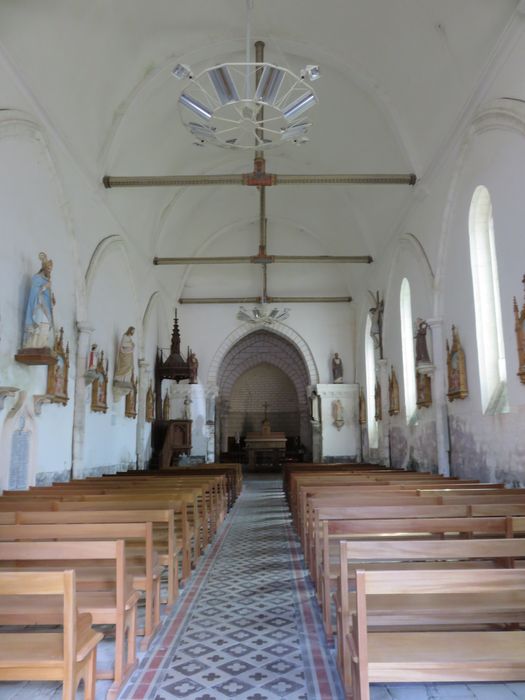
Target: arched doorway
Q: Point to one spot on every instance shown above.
(262, 372)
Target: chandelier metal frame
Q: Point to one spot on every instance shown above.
(249, 104)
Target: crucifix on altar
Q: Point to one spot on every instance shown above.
(266, 429)
(273, 444)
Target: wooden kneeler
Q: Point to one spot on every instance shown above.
(68, 656)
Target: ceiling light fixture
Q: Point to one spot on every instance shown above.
(247, 105)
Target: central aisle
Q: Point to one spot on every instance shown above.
(247, 626)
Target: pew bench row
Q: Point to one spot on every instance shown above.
(390, 526)
(118, 536)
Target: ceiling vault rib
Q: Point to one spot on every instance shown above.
(266, 260)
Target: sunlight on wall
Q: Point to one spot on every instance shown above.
(373, 438)
(407, 344)
(487, 304)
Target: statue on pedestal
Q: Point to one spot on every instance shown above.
(38, 319)
(193, 364)
(38, 337)
(124, 367)
(337, 369)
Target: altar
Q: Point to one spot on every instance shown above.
(274, 444)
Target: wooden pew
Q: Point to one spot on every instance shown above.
(328, 509)
(335, 531)
(423, 557)
(110, 606)
(434, 656)
(141, 565)
(69, 655)
(164, 534)
(184, 534)
(406, 497)
(191, 496)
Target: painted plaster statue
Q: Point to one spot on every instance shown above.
(376, 322)
(422, 356)
(38, 319)
(124, 367)
(337, 369)
(194, 367)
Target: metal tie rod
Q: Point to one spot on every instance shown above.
(114, 181)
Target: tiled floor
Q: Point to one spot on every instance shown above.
(247, 626)
(248, 629)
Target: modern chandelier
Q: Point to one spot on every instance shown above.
(247, 105)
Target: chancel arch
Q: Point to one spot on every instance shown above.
(263, 368)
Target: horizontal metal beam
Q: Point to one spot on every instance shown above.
(269, 300)
(342, 179)
(255, 180)
(111, 181)
(265, 260)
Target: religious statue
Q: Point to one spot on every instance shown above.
(315, 412)
(124, 366)
(57, 373)
(130, 404)
(150, 405)
(166, 407)
(519, 327)
(193, 364)
(338, 414)
(456, 366)
(187, 408)
(99, 388)
(337, 369)
(423, 390)
(38, 319)
(393, 393)
(93, 357)
(422, 356)
(376, 325)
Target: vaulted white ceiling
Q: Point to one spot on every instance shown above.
(396, 76)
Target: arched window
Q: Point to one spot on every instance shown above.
(487, 304)
(407, 345)
(370, 365)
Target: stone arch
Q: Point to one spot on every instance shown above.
(278, 329)
(262, 347)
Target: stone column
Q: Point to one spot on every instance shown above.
(211, 400)
(143, 384)
(315, 422)
(439, 395)
(384, 425)
(79, 401)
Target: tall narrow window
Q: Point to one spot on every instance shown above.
(407, 345)
(370, 365)
(487, 304)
